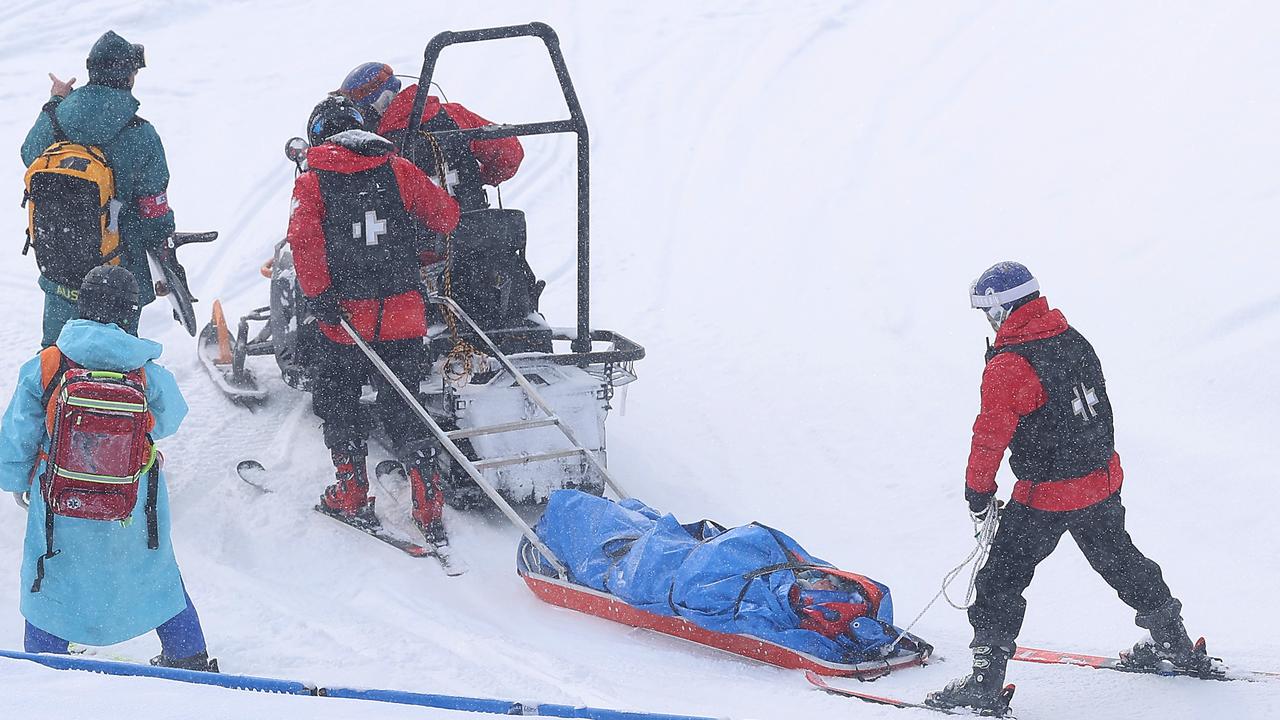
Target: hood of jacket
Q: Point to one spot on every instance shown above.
(350, 152)
(1033, 321)
(94, 114)
(105, 347)
(397, 115)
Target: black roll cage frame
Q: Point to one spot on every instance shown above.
(576, 124)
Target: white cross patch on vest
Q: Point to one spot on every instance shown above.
(450, 179)
(373, 228)
(1086, 398)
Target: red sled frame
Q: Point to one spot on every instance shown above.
(603, 605)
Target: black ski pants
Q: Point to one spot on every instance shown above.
(1026, 536)
(341, 374)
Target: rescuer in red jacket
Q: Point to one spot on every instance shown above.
(361, 218)
(1044, 398)
(468, 165)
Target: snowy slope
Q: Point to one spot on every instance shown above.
(789, 201)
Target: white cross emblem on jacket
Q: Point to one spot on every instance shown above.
(1084, 401)
(373, 228)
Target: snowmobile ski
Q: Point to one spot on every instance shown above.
(253, 474)
(1006, 696)
(171, 278)
(1099, 662)
(224, 356)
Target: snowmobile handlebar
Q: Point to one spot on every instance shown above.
(576, 124)
(186, 238)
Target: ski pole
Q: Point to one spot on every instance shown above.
(460, 457)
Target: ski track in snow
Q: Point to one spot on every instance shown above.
(788, 201)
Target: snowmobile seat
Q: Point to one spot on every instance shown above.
(492, 281)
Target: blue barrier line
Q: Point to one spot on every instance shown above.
(112, 667)
(290, 687)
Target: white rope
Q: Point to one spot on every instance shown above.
(983, 532)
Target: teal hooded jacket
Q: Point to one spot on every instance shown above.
(105, 585)
(98, 115)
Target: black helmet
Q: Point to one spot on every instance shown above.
(109, 294)
(333, 115)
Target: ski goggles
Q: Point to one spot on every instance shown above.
(993, 303)
(991, 298)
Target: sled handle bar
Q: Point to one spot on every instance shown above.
(577, 124)
(476, 476)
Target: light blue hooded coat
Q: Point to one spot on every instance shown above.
(104, 586)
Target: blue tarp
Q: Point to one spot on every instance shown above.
(750, 580)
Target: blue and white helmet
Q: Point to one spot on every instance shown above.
(371, 85)
(998, 290)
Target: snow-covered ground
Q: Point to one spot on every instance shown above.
(789, 201)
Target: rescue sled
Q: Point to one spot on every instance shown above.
(750, 591)
(524, 401)
(572, 596)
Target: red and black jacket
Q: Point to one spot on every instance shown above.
(469, 164)
(1044, 397)
(361, 217)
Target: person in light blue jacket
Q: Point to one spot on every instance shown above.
(102, 584)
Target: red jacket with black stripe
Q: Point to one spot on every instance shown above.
(398, 317)
(499, 159)
(1011, 390)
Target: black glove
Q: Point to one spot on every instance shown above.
(979, 503)
(325, 307)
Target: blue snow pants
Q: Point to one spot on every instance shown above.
(180, 636)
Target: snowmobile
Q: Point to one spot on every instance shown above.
(522, 402)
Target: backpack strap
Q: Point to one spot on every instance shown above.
(49, 552)
(53, 365)
(153, 489)
(50, 109)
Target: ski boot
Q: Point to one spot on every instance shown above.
(348, 497)
(200, 661)
(1168, 649)
(428, 496)
(983, 690)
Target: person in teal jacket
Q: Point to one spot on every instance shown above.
(104, 113)
(103, 585)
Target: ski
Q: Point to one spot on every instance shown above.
(819, 682)
(254, 474)
(102, 653)
(376, 531)
(93, 651)
(390, 475)
(1101, 662)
